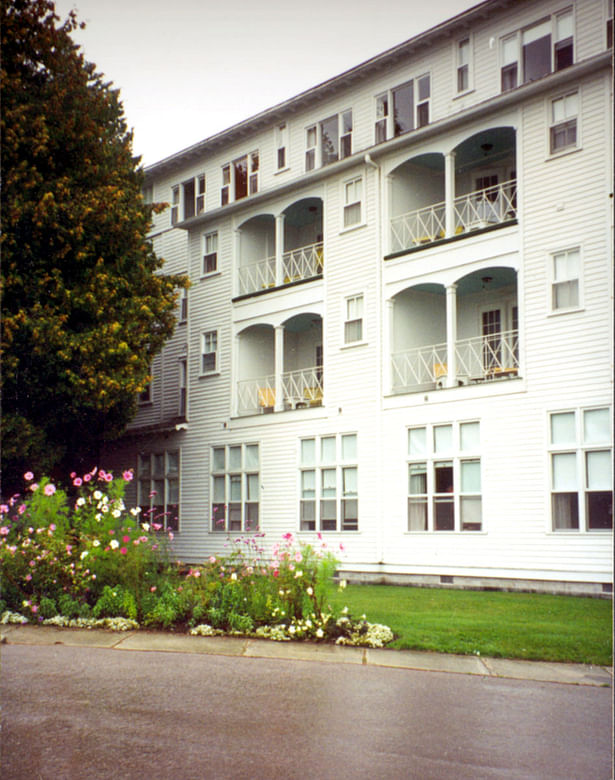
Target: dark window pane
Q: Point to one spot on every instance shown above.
(403, 108)
(350, 514)
(423, 114)
(308, 515)
(330, 140)
(600, 510)
(444, 514)
(281, 157)
(537, 59)
(251, 517)
(328, 516)
(462, 78)
(241, 177)
(509, 77)
(563, 54)
(172, 517)
(217, 517)
(310, 159)
(224, 196)
(346, 149)
(444, 478)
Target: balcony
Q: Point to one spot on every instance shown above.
(479, 359)
(275, 251)
(489, 206)
(297, 390)
(452, 194)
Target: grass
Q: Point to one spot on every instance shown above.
(501, 625)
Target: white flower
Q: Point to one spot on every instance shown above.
(320, 633)
(96, 543)
(114, 544)
(309, 591)
(98, 517)
(343, 584)
(135, 511)
(97, 495)
(298, 574)
(144, 526)
(116, 513)
(83, 554)
(80, 501)
(104, 508)
(233, 576)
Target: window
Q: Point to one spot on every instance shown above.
(210, 253)
(581, 481)
(444, 478)
(240, 178)
(353, 323)
(565, 285)
(281, 145)
(183, 388)
(235, 482)
(329, 141)
(538, 50)
(328, 483)
(209, 352)
(463, 65)
(146, 395)
(563, 122)
(200, 198)
(609, 24)
(175, 204)
(158, 489)
(183, 304)
(410, 102)
(353, 196)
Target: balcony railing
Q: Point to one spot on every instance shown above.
(298, 390)
(478, 359)
(479, 209)
(257, 276)
(302, 263)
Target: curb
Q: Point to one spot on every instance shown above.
(245, 647)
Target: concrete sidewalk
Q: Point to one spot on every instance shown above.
(166, 642)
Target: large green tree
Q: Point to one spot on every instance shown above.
(84, 303)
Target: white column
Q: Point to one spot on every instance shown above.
(451, 335)
(449, 193)
(279, 367)
(388, 337)
(279, 248)
(237, 262)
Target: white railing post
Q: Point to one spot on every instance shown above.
(279, 248)
(279, 368)
(451, 335)
(449, 193)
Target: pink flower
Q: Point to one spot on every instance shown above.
(3, 509)
(52, 527)
(73, 474)
(34, 487)
(153, 589)
(4, 530)
(127, 476)
(108, 477)
(298, 557)
(34, 608)
(69, 547)
(87, 477)
(21, 509)
(170, 536)
(50, 490)
(28, 577)
(77, 482)
(28, 476)
(126, 539)
(123, 551)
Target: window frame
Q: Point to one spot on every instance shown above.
(349, 205)
(337, 494)
(518, 66)
(314, 140)
(281, 136)
(438, 462)
(247, 477)
(209, 241)
(149, 476)
(210, 338)
(385, 123)
(183, 306)
(349, 301)
(182, 365)
(577, 449)
(465, 67)
(567, 122)
(229, 190)
(553, 281)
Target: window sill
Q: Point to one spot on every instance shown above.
(208, 374)
(563, 153)
(570, 310)
(351, 228)
(282, 170)
(354, 344)
(209, 275)
(463, 94)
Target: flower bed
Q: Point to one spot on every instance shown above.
(82, 559)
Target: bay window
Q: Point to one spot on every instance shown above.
(234, 488)
(158, 489)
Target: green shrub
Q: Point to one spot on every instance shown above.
(47, 608)
(115, 602)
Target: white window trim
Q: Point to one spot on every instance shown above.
(390, 118)
(250, 173)
(243, 472)
(317, 126)
(215, 371)
(552, 312)
(457, 456)
(579, 448)
(182, 317)
(578, 146)
(147, 502)
(470, 88)
(345, 301)
(362, 221)
(283, 135)
(205, 274)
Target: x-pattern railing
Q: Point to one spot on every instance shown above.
(302, 263)
(418, 366)
(418, 227)
(299, 389)
(257, 276)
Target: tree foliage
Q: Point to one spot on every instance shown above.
(85, 306)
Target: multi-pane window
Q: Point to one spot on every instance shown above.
(158, 489)
(183, 304)
(210, 253)
(328, 141)
(209, 352)
(353, 197)
(240, 178)
(444, 478)
(410, 108)
(281, 145)
(463, 65)
(581, 477)
(235, 488)
(175, 204)
(565, 275)
(188, 198)
(353, 322)
(328, 483)
(563, 122)
(538, 50)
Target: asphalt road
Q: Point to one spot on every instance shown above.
(83, 712)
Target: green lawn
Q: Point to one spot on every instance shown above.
(505, 625)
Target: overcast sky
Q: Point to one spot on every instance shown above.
(187, 69)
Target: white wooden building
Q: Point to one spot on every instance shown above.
(398, 331)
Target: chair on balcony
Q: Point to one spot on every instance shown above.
(313, 395)
(440, 372)
(266, 398)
